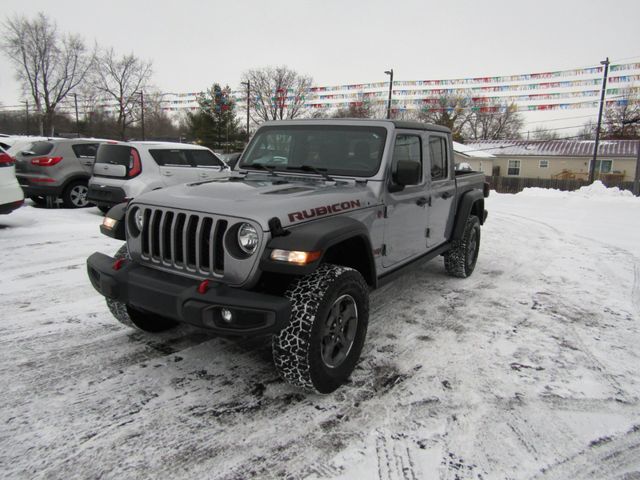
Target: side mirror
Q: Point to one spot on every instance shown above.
(407, 173)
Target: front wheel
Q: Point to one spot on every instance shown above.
(461, 260)
(321, 345)
(131, 317)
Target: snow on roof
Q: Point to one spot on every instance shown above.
(564, 148)
(470, 151)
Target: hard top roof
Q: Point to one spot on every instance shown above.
(402, 124)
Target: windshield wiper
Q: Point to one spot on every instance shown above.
(260, 166)
(319, 171)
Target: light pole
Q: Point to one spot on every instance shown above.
(142, 112)
(390, 73)
(248, 84)
(592, 167)
(75, 101)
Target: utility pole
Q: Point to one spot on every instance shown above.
(248, 84)
(592, 167)
(390, 73)
(142, 112)
(75, 100)
(26, 109)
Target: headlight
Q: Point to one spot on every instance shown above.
(139, 219)
(135, 221)
(247, 238)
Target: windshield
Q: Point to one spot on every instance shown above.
(334, 149)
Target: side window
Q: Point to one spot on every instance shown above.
(438, 155)
(170, 158)
(85, 150)
(204, 158)
(407, 148)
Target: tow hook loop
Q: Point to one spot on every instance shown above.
(203, 287)
(118, 264)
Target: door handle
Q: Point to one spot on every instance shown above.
(446, 195)
(421, 202)
(167, 174)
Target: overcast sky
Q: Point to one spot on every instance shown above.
(194, 43)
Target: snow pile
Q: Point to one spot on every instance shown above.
(596, 190)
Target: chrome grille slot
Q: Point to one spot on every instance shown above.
(188, 242)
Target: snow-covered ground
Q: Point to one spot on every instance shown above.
(528, 369)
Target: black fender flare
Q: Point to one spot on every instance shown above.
(116, 213)
(319, 235)
(465, 207)
(75, 178)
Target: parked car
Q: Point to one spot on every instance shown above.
(11, 196)
(124, 170)
(57, 167)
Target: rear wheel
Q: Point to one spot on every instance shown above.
(321, 345)
(75, 195)
(131, 317)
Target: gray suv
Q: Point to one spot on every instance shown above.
(57, 167)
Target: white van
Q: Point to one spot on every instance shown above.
(124, 170)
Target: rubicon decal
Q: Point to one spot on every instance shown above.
(325, 210)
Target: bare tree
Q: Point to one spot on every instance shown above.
(49, 65)
(278, 93)
(493, 122)
(622, 119)
(588, 131)
(122, 80)
(544, 133)
(448, 111)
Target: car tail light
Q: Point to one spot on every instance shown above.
(6, 160)
(46, 161)
(135, 167)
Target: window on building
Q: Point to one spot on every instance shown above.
(543, 163)
(514, 167)
(604, 166)
(438, 155)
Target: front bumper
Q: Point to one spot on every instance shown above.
(177, 297)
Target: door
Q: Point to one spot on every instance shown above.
(406, 218)
(206, 163)
(174, 166)
(86, 155)
(443, 189)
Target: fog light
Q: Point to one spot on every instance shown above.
(227, 316)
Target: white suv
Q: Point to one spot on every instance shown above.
(124, 170)
(11, 196)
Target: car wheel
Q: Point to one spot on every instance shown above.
(461, 260)
(75, 195)
(131, 317)
(321, 345)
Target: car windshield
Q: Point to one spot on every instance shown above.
(331, 149)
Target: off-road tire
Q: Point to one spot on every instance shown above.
(75, 195)
(135, 318)
(461, 260)
(297, 349)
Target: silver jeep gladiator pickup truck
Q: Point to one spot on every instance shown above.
(315, 215)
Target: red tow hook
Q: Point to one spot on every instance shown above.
(118, 264)
(203, 287)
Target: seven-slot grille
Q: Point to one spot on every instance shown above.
(184, 241)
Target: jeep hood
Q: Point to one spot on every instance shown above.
(261, 197)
